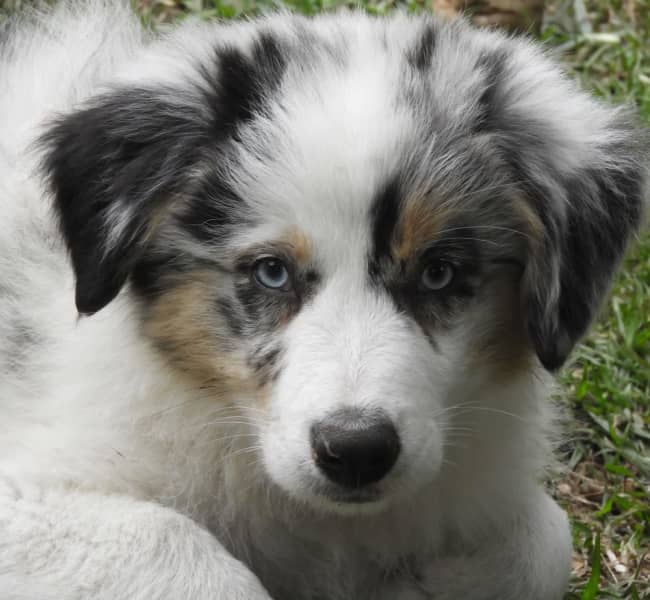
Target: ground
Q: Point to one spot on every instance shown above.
(605, 485)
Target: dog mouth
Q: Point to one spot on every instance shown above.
(349, 496)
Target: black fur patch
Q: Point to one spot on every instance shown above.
(605, 210)
(213, 210)
(244, 84)
(421, 56)
(490, 117)
(384, 215)
(106, 166)
(152, 271)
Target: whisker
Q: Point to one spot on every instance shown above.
(226, 438)
(458, 430)
(238, 452)
(468, 407)
(472, 238)
(223, 421)
(488, 227)
(497, 411)
(169, 409)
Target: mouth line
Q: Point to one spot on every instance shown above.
(353, 496)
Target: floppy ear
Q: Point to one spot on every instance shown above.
(587, 212)
(116, 162)
(111, 166)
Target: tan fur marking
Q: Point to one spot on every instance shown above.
(532, 224)
(293, 245)
(158, 215)
(502, 341)
(185, 327)
(418, 225)
(298, 245)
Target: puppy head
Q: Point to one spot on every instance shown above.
(339, 224)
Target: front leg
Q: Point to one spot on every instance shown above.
(77, 546)
(530, 560)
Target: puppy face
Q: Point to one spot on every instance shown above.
(336, 224)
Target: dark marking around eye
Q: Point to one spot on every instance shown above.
(458, 246)
(266, 308)
(402, 279)
(459, 249)
(384, 214)
(312, 277)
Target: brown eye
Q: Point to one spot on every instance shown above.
(272, 273)
(438, 275)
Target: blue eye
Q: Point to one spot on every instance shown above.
(438, 275)
(272, 273)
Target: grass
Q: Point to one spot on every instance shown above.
(606, 488)
(606, 485)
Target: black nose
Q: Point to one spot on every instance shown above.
(353, 448)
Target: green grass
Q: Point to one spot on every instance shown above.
(606, 486)
(162, 9)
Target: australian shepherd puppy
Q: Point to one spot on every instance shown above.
(278, 303)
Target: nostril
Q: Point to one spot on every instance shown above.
(353, 448)
(323, 452)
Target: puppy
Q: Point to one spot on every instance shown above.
(278, 303)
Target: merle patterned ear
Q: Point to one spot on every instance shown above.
(115, 163)
(588, 216)
(111, 165)
(581, 170)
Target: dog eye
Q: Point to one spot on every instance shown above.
(272, 273)
(438, 275)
